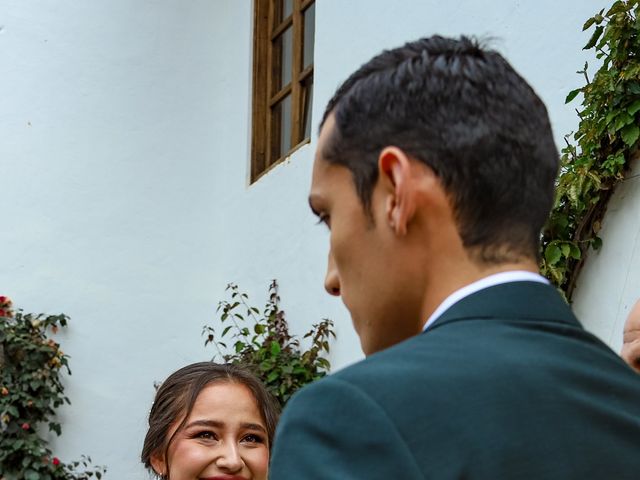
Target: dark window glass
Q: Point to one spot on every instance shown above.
(281, 127)
(309, 34)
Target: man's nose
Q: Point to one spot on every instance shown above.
(332, 280)
(229, 459)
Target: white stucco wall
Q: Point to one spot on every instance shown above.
(609, 284)
(124, 153)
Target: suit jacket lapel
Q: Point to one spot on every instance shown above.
(515, 300)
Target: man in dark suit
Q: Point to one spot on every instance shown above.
(435, 173)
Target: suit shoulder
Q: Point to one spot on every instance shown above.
(393, 363)
(334, 422)
(338, 385)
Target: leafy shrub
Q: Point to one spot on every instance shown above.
(266, 347)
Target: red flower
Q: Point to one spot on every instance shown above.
(3, 299)
(55, 461)
(26, 426)
(2, 314)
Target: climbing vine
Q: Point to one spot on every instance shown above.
(598, 156)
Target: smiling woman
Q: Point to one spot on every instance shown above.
(210, 422)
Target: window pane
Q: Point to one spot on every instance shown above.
(282, 60)
(282, 9)
(307, 102)
(309, 33)
(281, 128)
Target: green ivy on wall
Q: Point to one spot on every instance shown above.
(595, 161)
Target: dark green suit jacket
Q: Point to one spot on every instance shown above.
(505, 385)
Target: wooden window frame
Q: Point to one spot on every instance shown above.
(266, 72)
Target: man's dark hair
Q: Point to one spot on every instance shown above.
(463, 111)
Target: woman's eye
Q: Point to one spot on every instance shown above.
(251, 438)
(206, 435)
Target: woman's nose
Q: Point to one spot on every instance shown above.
(229, 460)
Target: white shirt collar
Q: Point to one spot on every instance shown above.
(486, 282)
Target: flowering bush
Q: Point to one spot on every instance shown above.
(30, 391)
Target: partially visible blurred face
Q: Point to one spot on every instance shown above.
(365, 266)
(631, 338)
(224, 438)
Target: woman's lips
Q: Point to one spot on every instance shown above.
(224, 477)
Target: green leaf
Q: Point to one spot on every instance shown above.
(562, 221)
(622, 120)
(630, 134)
(572, 94)
(265, 366)
(575, 252)
(588, 23)
(55, 427)
(617, 7)
(275, 348)
(323, 362)
(552, 254)
(594, 38)
(596, 243)
(31, 475)
(565, 248)
(633, 108)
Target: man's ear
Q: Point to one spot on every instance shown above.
(159, 465)
(400, 205)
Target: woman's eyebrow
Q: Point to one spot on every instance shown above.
(205, 423)
(218, 424)
(254, 426)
